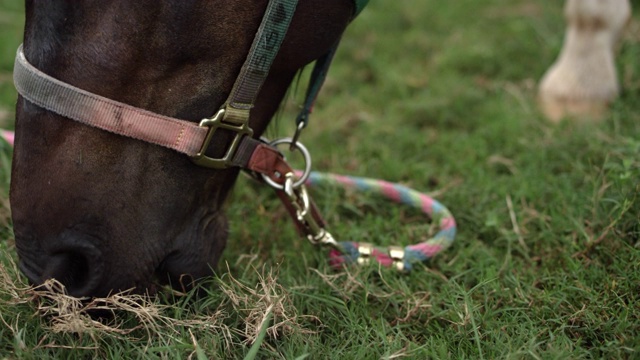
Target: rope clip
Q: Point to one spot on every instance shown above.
(299, 198)
(296, 135)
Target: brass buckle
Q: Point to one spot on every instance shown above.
(213, 124)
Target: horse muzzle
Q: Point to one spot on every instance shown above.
(72, 259)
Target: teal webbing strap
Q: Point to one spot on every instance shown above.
(264, 49)
(319, 74)
(316, 79)
(360, 4)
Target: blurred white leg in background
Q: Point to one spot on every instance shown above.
(583, 80)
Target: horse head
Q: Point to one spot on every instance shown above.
(101, 212)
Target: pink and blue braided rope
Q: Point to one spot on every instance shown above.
(8, 136)
(348, 251)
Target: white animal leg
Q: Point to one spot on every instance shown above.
(583, 81)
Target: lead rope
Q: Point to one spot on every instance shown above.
(310, 223)
(291, 187)
(402, 259)
(8, 136)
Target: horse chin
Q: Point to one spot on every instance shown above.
(195, 252)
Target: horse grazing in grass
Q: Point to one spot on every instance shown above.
(101, 212)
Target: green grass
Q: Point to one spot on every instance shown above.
(440, 97)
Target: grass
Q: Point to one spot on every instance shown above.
(441, 98)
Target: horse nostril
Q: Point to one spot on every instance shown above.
(71, 269)
(79, 268)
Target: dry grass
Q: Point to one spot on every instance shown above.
(265, 298)
(133, 318)
(66, 314)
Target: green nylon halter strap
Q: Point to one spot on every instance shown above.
(319, 74)
(360, 4)
(264, 49)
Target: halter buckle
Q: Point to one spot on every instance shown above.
(213, 124)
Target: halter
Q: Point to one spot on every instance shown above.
(194, 140)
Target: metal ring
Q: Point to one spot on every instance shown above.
(307, 163)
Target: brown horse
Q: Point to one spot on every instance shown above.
(101, 212)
